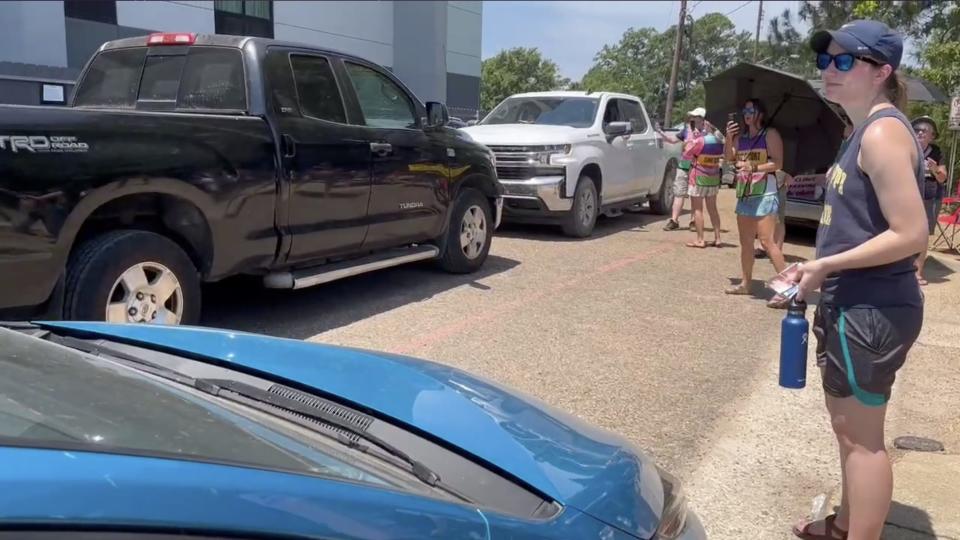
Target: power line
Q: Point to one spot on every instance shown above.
(695, 5)
(745, 4)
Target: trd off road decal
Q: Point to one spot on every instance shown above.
(41, 144)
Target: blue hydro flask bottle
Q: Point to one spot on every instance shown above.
(793, 346)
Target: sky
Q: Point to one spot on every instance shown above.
(571, 33)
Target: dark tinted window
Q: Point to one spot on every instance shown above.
(632, 113)
(613, 113)
(213, 79)
(104, 11)
(112, 79)
(383, 103)
(317, 88)
(244, 17)
(161, 78)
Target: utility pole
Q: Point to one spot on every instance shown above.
(756, 44)
(676, 64)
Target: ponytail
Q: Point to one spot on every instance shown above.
(895, 89)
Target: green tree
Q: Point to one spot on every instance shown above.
(514, 71)
(639, 64)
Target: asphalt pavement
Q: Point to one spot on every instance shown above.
(628, 329)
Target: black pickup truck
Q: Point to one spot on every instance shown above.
(186, 158)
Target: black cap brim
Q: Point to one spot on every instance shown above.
(820, 41)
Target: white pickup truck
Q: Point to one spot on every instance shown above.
(568, 157)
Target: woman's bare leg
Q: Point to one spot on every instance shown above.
(747, 226)
(714, 217)
(766, 229)
(697, 204)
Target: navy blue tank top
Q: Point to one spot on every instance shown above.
(851, 216)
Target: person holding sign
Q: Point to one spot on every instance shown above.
(758, 152)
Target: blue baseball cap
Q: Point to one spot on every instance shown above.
(863, 37)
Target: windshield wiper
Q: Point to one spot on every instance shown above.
(224, 388)
(254, 397)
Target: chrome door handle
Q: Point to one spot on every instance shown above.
(381, 149)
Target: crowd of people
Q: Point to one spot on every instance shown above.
(881, 199)
(762, 185)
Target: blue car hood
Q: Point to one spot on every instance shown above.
(575, 464)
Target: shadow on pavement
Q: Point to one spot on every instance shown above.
(935, 271)
(243, 303)
(905, 522)
(632, 221)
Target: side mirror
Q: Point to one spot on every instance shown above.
(616, 129)
(437, 114)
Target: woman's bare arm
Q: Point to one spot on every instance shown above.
(888, 155)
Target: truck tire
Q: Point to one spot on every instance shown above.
(581, 219)
(663, 203)
(469, 233)
(132, 277)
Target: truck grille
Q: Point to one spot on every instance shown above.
(520, 163)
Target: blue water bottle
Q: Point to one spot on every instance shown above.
(793, 346)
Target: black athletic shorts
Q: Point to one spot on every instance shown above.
(861, 349)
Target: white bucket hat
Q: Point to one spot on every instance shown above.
(699, 111)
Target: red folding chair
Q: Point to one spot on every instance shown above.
(948, 224)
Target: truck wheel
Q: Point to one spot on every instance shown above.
(132, 277)
(469, 233)
(580, 221)
(663, 203)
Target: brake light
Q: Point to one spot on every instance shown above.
(171, 39)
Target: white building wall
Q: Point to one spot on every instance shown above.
(364, 29)
(464, 37)
(33, 33)
(165, 16)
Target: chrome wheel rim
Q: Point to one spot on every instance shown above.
(473, 232)
(147, 293)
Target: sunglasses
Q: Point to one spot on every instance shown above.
(843, 61)
(749, 112)
(923, 130)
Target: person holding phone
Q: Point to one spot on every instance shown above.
(873, 225)
(934, 180)
(758, 152)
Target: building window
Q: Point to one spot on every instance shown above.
(104, 11)
(244, 17)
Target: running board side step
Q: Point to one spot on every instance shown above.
(308, 277)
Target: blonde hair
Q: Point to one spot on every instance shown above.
(895, 89)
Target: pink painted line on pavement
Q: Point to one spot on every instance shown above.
(500, 310)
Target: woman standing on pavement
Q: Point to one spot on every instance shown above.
(872, 227)
(934, 179)
(759, 154)
(706, 149)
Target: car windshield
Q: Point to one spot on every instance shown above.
(578, 112)
(55, 397)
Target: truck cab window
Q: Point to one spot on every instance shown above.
(213, 79)
(383, 103)
(161, 78)
(631, 110)
(112, 80)
(317, 88)
(612, 112)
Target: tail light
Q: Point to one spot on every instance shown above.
(171, 39)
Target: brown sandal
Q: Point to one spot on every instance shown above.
(832, 532)
(737, 290)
